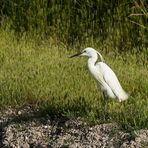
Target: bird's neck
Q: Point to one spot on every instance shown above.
(91, 64)
(92, 60)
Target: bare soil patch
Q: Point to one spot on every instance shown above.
(28, 128)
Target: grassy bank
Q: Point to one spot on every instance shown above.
(40, 73)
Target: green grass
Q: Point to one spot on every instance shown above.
(40, 73)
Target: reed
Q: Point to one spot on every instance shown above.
(123, 23)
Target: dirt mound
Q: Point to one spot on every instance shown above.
(27, 128)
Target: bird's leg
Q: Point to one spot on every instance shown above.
(104, 99)
(105, 105)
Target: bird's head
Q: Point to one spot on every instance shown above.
(89, 52)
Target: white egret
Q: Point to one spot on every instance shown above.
(103, 75)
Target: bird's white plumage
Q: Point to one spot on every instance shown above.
(111, 80)
(104, 75)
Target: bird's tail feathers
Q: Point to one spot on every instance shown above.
(124, 96)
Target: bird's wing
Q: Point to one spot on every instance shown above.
(111, 79)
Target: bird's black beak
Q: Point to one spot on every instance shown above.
(75, 55)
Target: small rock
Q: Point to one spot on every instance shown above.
(19, 112)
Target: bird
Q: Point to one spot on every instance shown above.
(105, 77)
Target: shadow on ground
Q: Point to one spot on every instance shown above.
(37, 128)
(26, 116)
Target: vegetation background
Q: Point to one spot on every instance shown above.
(37, 36)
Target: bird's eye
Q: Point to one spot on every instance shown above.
(84, 50)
